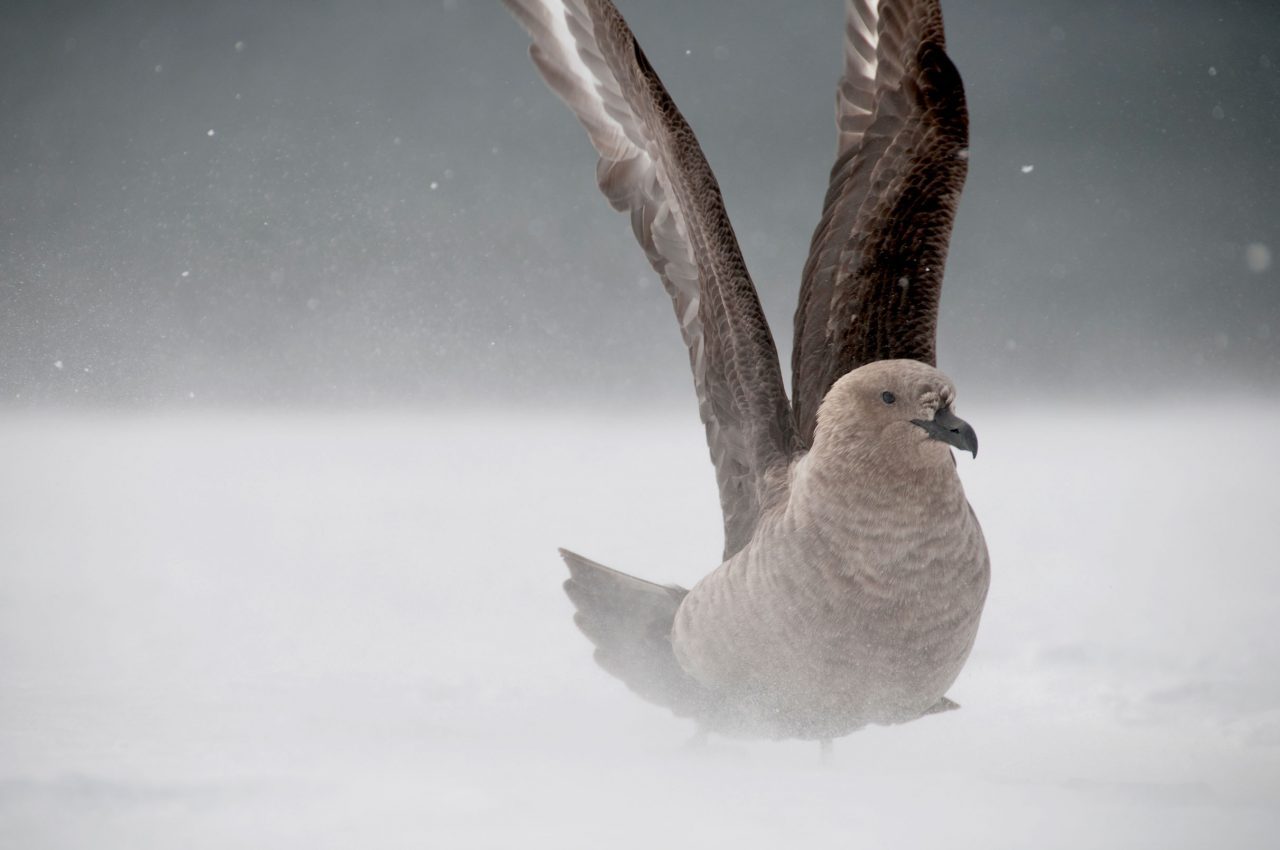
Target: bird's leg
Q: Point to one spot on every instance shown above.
(826, 747)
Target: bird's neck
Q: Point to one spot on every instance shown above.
(841, 486)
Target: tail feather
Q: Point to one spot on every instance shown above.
(629, 620)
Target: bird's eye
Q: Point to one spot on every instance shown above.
(888, 397)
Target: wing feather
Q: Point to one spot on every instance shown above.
(652, 167)
(871, 283)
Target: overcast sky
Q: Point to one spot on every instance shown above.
(379, 202)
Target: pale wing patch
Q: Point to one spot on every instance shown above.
(558, 17)
(559, 27)
(862, 22)
(578, 73)
(856, 93)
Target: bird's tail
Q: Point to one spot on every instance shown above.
(629, 620)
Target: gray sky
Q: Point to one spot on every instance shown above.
(379, 202)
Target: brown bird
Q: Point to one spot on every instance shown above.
(854, 570)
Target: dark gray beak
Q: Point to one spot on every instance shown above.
(950, 429)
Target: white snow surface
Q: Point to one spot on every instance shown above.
(334, 631)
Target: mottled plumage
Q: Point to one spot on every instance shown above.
(854, 571)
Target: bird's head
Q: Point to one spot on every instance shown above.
(893, 409)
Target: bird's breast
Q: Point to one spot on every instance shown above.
(842, 610)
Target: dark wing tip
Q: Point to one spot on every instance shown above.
(939, 88)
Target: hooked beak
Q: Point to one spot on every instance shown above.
(950, 429)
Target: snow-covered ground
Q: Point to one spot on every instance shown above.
(336, 631)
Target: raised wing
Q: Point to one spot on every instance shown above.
(871, 283)
(652, 167)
